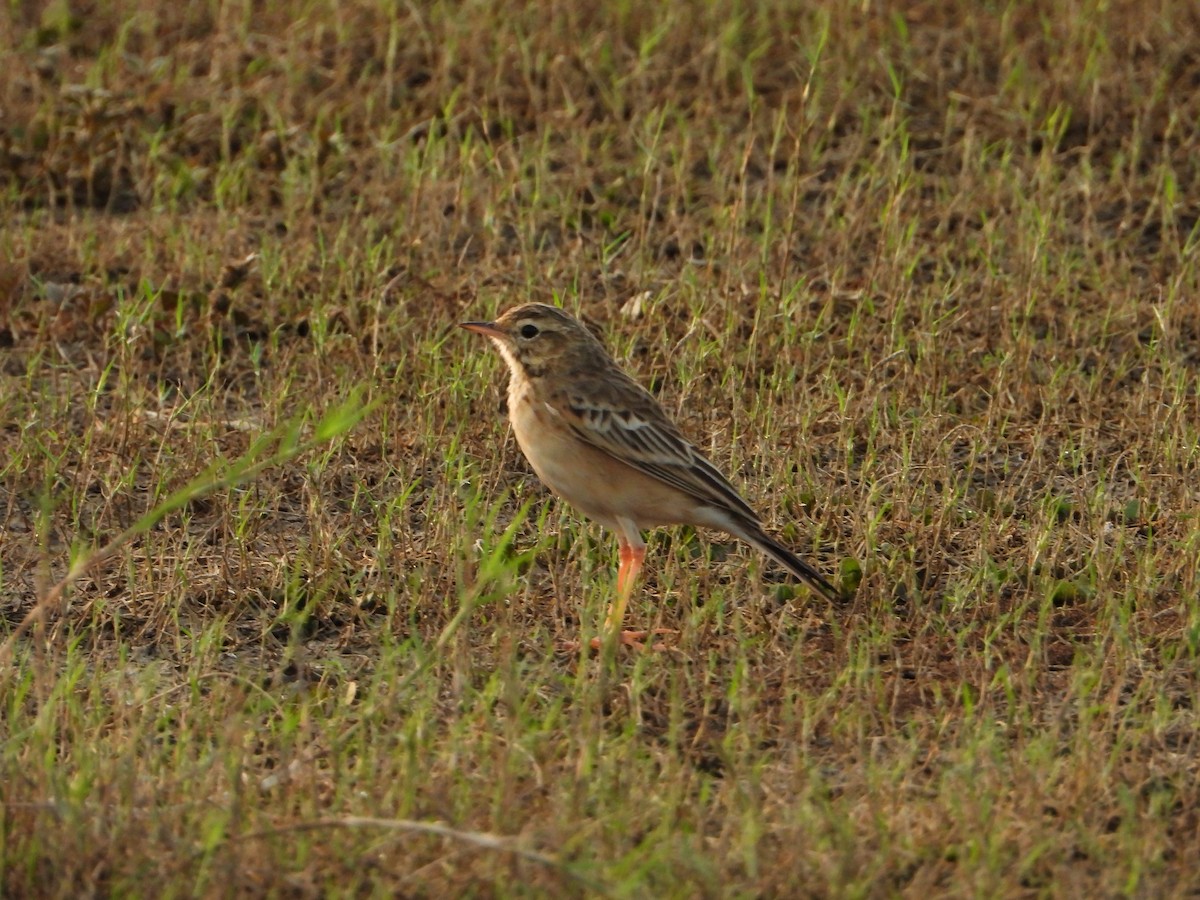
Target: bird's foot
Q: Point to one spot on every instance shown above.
(632, 639)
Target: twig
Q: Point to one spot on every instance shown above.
(481, 839)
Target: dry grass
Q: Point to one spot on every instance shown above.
(923, 278)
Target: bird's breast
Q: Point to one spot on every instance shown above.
(599, 486)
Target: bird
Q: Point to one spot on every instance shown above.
(603, 443)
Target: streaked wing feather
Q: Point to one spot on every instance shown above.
(629, 426)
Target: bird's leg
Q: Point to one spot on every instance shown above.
(631, 557)
(627, 573)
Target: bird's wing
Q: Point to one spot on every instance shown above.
(616, 415)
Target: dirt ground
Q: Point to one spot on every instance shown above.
(921, 278)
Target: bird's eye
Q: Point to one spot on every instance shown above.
(529, 331)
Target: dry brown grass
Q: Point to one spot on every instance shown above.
(923, 278)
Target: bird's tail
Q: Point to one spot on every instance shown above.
(753, 534)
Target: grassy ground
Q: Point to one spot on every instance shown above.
(922, 279)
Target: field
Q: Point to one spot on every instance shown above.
(282, 605)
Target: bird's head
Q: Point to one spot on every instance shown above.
(536, 338)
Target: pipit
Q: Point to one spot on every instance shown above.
(598, 439)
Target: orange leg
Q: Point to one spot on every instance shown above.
(631, 556)
(627, 573)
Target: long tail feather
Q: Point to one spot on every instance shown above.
(790, 561)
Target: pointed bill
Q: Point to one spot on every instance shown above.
(488, 329)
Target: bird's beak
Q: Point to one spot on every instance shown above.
(487, 329)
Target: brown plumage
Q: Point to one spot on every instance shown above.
(601, 442)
